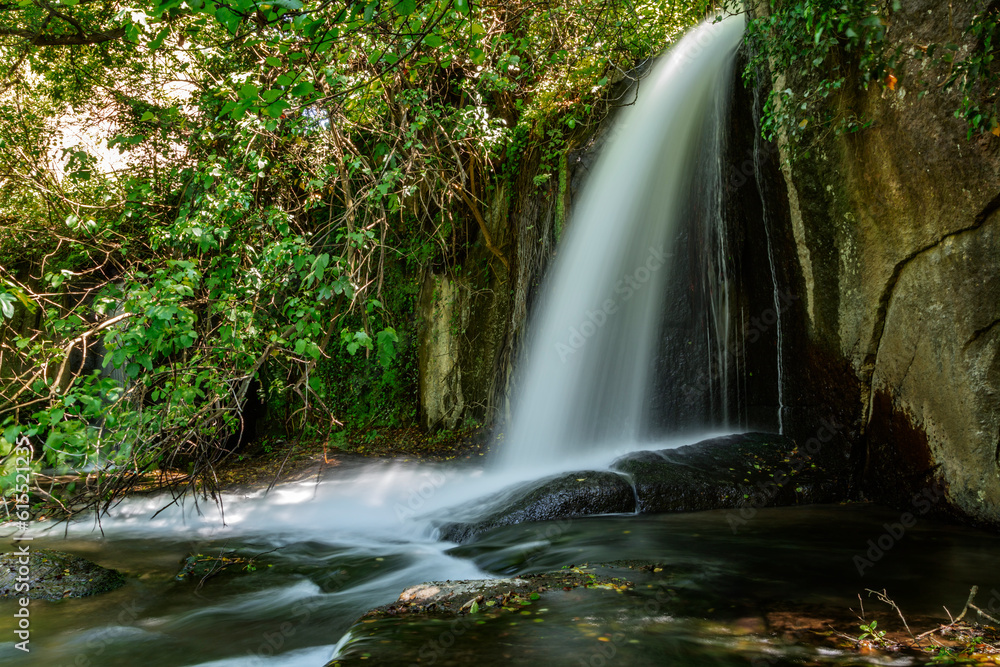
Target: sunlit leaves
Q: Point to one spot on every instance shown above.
(7, 302)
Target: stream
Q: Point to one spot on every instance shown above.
(328, 550)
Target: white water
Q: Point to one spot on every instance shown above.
(590, 357)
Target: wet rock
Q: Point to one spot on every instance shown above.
(563, 497)
(201, 567)
(54, 575)
(744, 470)
(561, 617)
(748, 469)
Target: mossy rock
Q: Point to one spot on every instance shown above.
(492, 595)
(54, 575)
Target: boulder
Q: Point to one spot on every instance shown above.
(565, 496)
(748, 469)
(54, 575)
(742, 470)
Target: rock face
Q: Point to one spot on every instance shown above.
(746, 470)
(891, 237)
(54, 575)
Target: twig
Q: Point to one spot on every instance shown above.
(884, 597)
(983, 613)
(968, 603)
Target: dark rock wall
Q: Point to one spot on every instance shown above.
(818, 389)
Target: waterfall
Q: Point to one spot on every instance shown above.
(596, 347)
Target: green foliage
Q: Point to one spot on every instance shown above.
(822, 53)
(977, 77)
(830, 46)
(870, 632)
(230, 194)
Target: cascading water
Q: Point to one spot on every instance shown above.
(594, 346)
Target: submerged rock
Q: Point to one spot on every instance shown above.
(201, 567)
(566, 496)
(54, 575)
(747, 469)
(743, 470)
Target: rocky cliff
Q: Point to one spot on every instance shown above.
(894, 249)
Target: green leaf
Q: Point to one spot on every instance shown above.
(302, 89)
(249, 92)
(7, 304)
(277, 108)
(158, 40)
(319, 266)
(386, 341)
(11, 432)
(406, 7)
(149, 115)
(228, 19)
